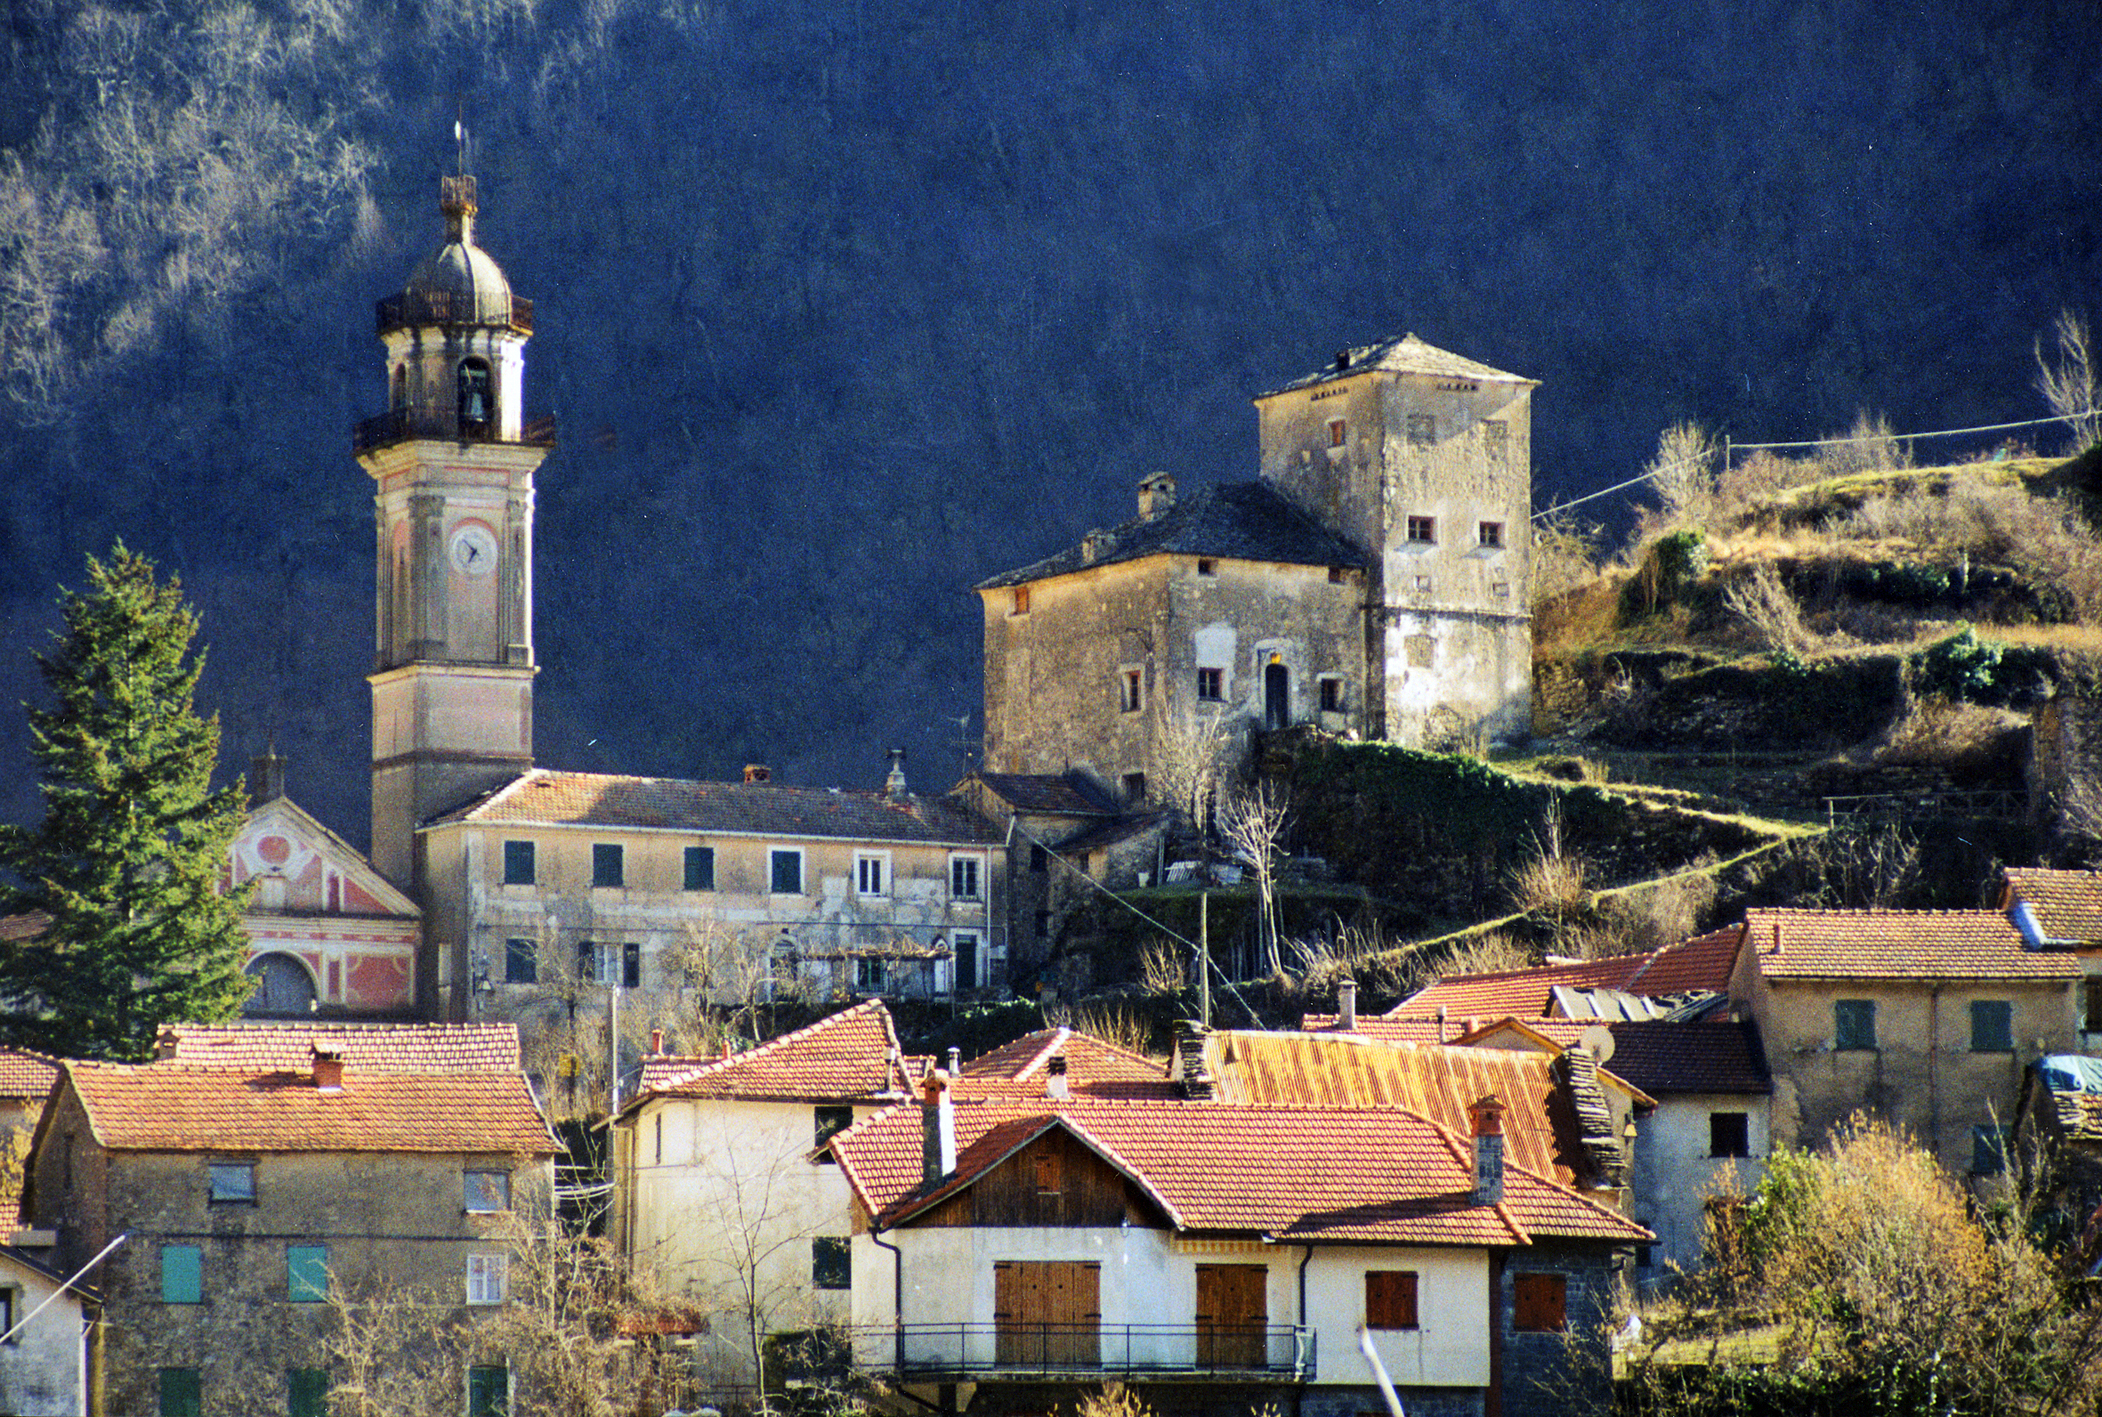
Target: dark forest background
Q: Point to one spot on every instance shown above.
(846, 304)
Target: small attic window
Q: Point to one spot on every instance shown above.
(1021, 601)
(1337, 575)
(1206, 566)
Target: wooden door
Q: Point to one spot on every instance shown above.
(1047, 1314)
(1233, 1315)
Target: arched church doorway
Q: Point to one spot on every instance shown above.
(283, 987)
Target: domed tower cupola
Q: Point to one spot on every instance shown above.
(455, 340)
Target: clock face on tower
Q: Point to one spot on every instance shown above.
(473, 549)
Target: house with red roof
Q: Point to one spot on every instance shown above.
(1035, 1243)
(2065, 908)
(235, 1196)
(1923, 1018)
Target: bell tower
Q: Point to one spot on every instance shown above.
(452, 462)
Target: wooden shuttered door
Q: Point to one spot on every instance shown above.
(1047, 1314)
(1390, 1298)
(1233, 1315)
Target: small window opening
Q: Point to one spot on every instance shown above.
(1133, 691)
(477, 397)
(1331, 695)
(1021, 601)
(1206, 566)
(1491, 533)
(1423, 529)
(1211, 683)
(1336, 432)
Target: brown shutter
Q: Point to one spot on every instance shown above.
(1390, 1298)
(1539, 1302)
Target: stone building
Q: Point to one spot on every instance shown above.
(529, 878)
(1373, 581)
(244, 1191)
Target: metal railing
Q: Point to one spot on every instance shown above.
(1241, 1351)
(431, 307)
(399, 425)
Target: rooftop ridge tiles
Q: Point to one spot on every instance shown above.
(763, 1051)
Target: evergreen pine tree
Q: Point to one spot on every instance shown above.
(129, 859)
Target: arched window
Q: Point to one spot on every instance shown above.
(398, 387)
(477, 397)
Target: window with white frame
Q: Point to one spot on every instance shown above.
(963, 877)
(870, 870)
(1131, 690)
(485, 1278)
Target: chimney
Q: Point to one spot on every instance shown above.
(894, 785)
(1347, 1005)
(955, 1060)
(266, 776)
(656, 1043)
(328, 1071)
(1487, 1115)
(937, 1131)
(1156, 495)
(1342, 359)
(1056, 1087)
(1095, 545)
(1189, 1059)
(758, 772)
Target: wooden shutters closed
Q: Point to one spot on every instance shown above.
(1233, 1315)
(1390, 1298)
(1047, 1314)
(1539, 1303)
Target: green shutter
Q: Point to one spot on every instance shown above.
(306, 1392)
(306, 1273)
(182, 1393)
(182, 1277)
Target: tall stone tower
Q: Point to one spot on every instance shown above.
(1423, 459)
(452, 460)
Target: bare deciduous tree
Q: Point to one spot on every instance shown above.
(1254, 822)
(1763, 603)
(1194, 754)
(2069, 383)
(1683, 472)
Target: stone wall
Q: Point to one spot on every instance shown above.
(1553, 1374)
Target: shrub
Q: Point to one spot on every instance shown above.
(1670, 568)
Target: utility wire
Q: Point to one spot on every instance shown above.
(1729, 448)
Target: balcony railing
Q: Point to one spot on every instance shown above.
(931, 1352)
(399, 425)
(430, 307)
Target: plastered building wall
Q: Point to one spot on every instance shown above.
(1422, 467)
(1923, 1074)
(387, 1219)
(1675, 1171)
(1056, 672)
(737, 926)
(43, 1367)
(721, 1204)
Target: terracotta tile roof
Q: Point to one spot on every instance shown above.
(1701, 963)
(1385, 1175)
(1243, 521)
(1058, 794)
(543, 797)
(1541, 1128)
(2068, 904)
(1407, 355)
(1089, 1061)
(185, 1107)
(847, 1057)
(1898, 944)
(26, 1074)
(390, 1047)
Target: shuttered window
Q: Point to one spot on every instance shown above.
(182, 1274)
(181, 1392)
(306, 1273)
(1390, 1298)
(1539, 1303)
(306, 1392)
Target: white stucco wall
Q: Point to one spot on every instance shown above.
(42, 1368)
(1675, 1175)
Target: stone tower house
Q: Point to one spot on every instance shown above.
(1373, 582)
(452, 461)
(1424, 460)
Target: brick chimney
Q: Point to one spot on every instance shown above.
(328, 1071)
(758, 772)
(1056, 1087)
(1189, 1063)
(1156, 495)
(1487, 1116)
(1347, 1005)
(656, 1043)
(938, 1131)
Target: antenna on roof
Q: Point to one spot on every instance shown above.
(460, 135)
